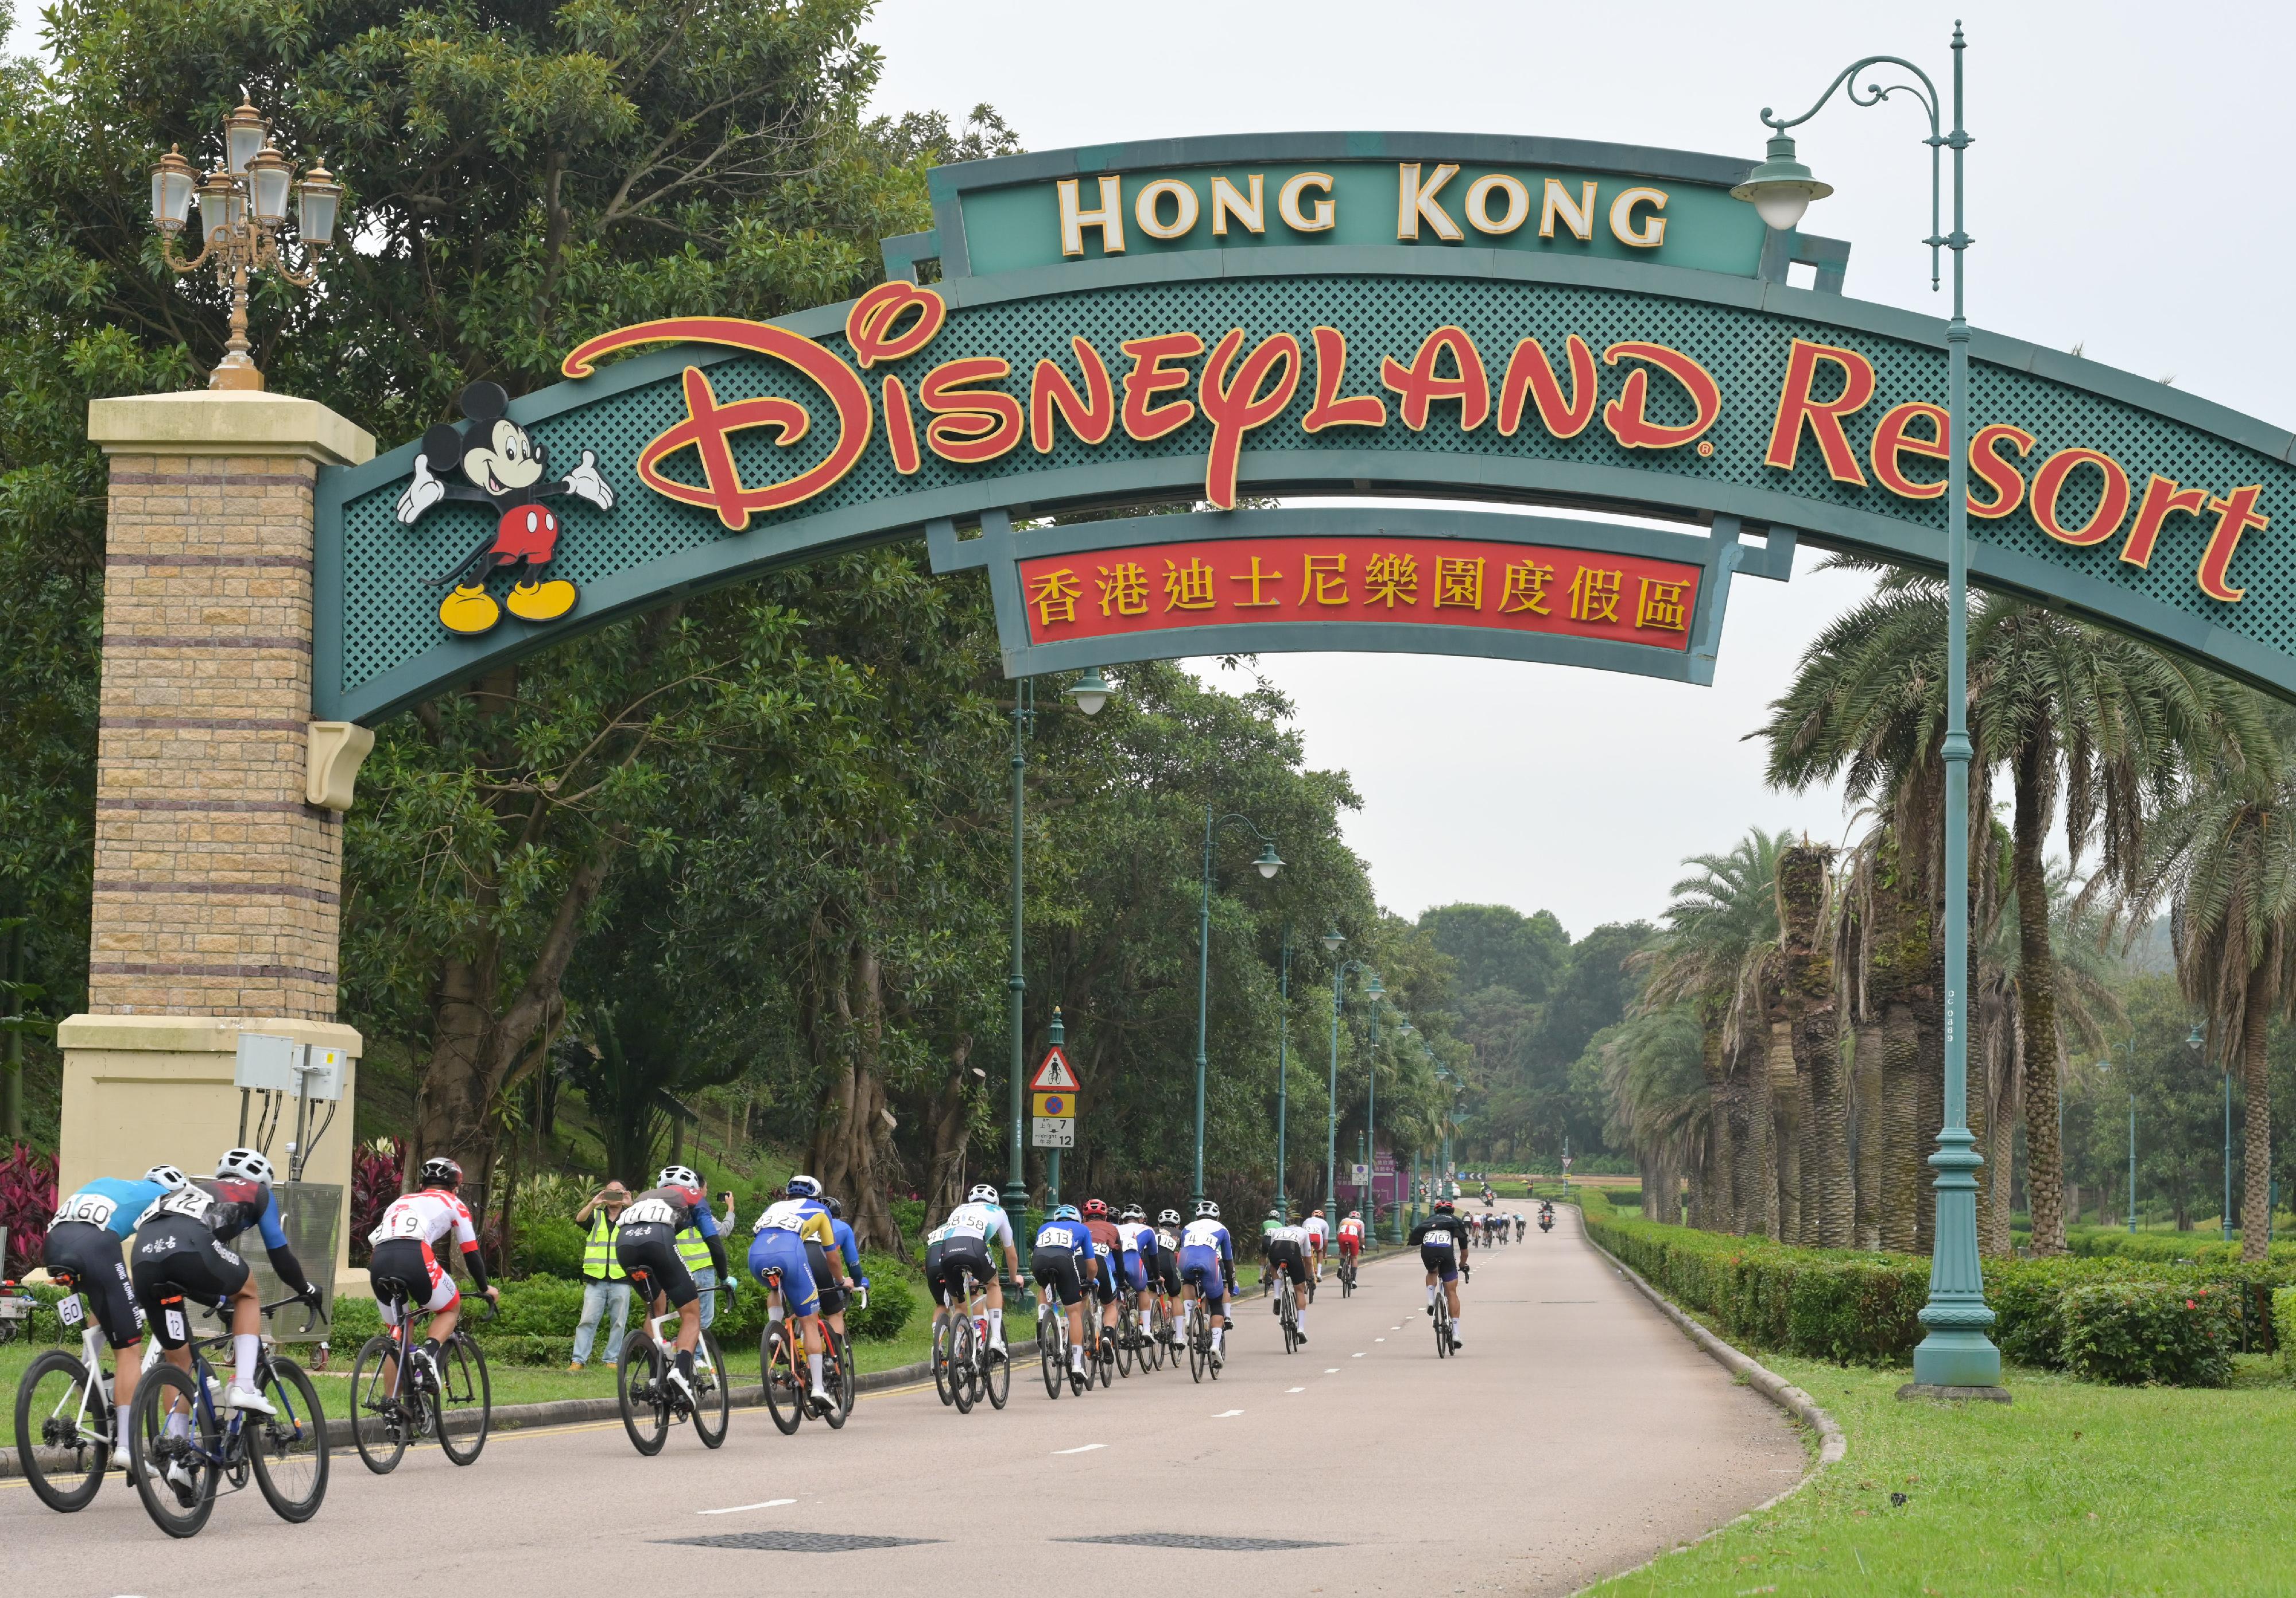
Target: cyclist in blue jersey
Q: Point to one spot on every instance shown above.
(1208, 1267)
(1138, 1261)
(836, 1295)
(84, 1241)
(794, 1237)
(1062, 1263)
(180, 1260)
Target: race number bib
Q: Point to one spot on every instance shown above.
(188, 1202)
(1055, 1237)
(68, 1309)
(967, 1227)
(650, 1212)
(177, 1330)
(94, 1208)
(1438, 1240)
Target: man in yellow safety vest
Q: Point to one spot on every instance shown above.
(693, 1248)
(604, 1282)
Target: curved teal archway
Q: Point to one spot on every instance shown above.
(2132, 500)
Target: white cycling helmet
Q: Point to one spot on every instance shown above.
(1206, 1210)
(168, 1177)
(802, 1187)
(1167, 1217)
(244, 1165)
(678, 1175)
(981, 1194)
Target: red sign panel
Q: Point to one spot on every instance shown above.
(1443, 582)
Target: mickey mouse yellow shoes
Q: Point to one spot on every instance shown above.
(540, 601)
(469, 611)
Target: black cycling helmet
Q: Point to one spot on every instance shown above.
(836, 1207)
(439, 1171)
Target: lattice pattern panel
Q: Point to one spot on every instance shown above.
(389, 616)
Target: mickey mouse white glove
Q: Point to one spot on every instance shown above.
(422, 493)
(585, 483)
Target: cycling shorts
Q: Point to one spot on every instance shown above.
(179, 1263)
(1289, 1260)
(646, 1246)
(1199, 1269)
(949, 1263)
(785, 1251)
(1134, 1271)
(91, 1253)
(834, 1294)
(1440, 1261)
(409, 1261)
(1056, 1269)
(1349, 1245)
(1167, 1269)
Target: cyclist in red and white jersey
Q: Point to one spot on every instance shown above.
(1350, 1235)
(403, 1251)
(1319, 1239)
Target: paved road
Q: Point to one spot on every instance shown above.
(1606, 1435)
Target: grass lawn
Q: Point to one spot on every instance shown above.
(2074, 1489)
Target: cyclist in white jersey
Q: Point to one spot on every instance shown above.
(1319, 1237)
(958, 1248)
(1287, 1257)
(1168, 1262)
(405, 1243)
(1140, 1252)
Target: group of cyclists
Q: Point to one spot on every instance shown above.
(1116, 1265)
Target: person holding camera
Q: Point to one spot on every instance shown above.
(604, 1282)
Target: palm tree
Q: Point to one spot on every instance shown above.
(2225, 857)
(2069, 711)
(1812, 1022)
(1661, 1103)
(1721, 928)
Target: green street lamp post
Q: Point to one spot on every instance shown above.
(1269, 863)
(1283, 1070)
(1957, 1354)
(1090, 693)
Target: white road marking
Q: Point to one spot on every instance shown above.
(1087, 1448)
(1379, 1339)
(1331, 1370)
(1356, 1355)
(1295, 1389)
(738, 1508)
(1224, 1413)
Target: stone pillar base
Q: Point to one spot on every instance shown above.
(141, 1090)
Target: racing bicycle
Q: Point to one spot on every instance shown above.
(1053, 1346)
(66, 1429)
(395, 1401)
(1347, 1274)
(650, 1400)
(964, 1366)
(1202, 1355)
(181, 1447)
(786, 1373)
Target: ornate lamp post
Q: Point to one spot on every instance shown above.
(1957, 1355)
(1090, 694)
(242, 211)
(1269, 863)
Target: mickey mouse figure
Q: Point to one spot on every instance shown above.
(505, 468)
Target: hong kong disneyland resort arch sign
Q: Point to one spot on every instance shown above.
(1520, 321)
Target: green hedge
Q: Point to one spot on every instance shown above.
(2168, 1247)
(1861, 1308)
(2131, 1332)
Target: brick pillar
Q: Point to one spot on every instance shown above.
(217, 882)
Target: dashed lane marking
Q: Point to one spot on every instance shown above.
(1295, 1389)
(1357, 1355)
(1225, 1413)
(1087, 1448)
(738, 1508)
(1331, 1370)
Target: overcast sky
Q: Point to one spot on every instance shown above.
(2127, 194)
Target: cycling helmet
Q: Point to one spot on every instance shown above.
(168, 1177)
(678, 1175)
(1096, 1209)
(244, 1165)
(803, 1187)
(1067, 1212)
(983, 1192)
(1318, 1210)
(1133, 1212)
(1353, 1214)
(1443, 1207)
(1167, 1217)
(1275, 1214)
(836, 1209)
(441, 1172)
(1206, 1210)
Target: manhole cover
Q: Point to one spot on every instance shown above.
(796, 1542)
(1184, 1539)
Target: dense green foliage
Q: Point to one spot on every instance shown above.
(1860, 1307)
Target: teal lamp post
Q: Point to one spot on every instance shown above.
(1955, 1358)
(1269, 863)
(1090, 693)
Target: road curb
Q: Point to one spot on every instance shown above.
(1833, 1445)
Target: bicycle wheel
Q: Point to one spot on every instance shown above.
(1049, 1359)
(837, 1374)
(63, 1430)
(1442, 1332)
(944, 1342)
(466, 1407)
(997, 1376)
(960, 1368)
(713, 1406)
(1123, 1350)
(784, 1395)
(179, 1511)
(639, 1383)
(1199, 1347)
(381, 1420)
(290, 1449)
(1291, 1330)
